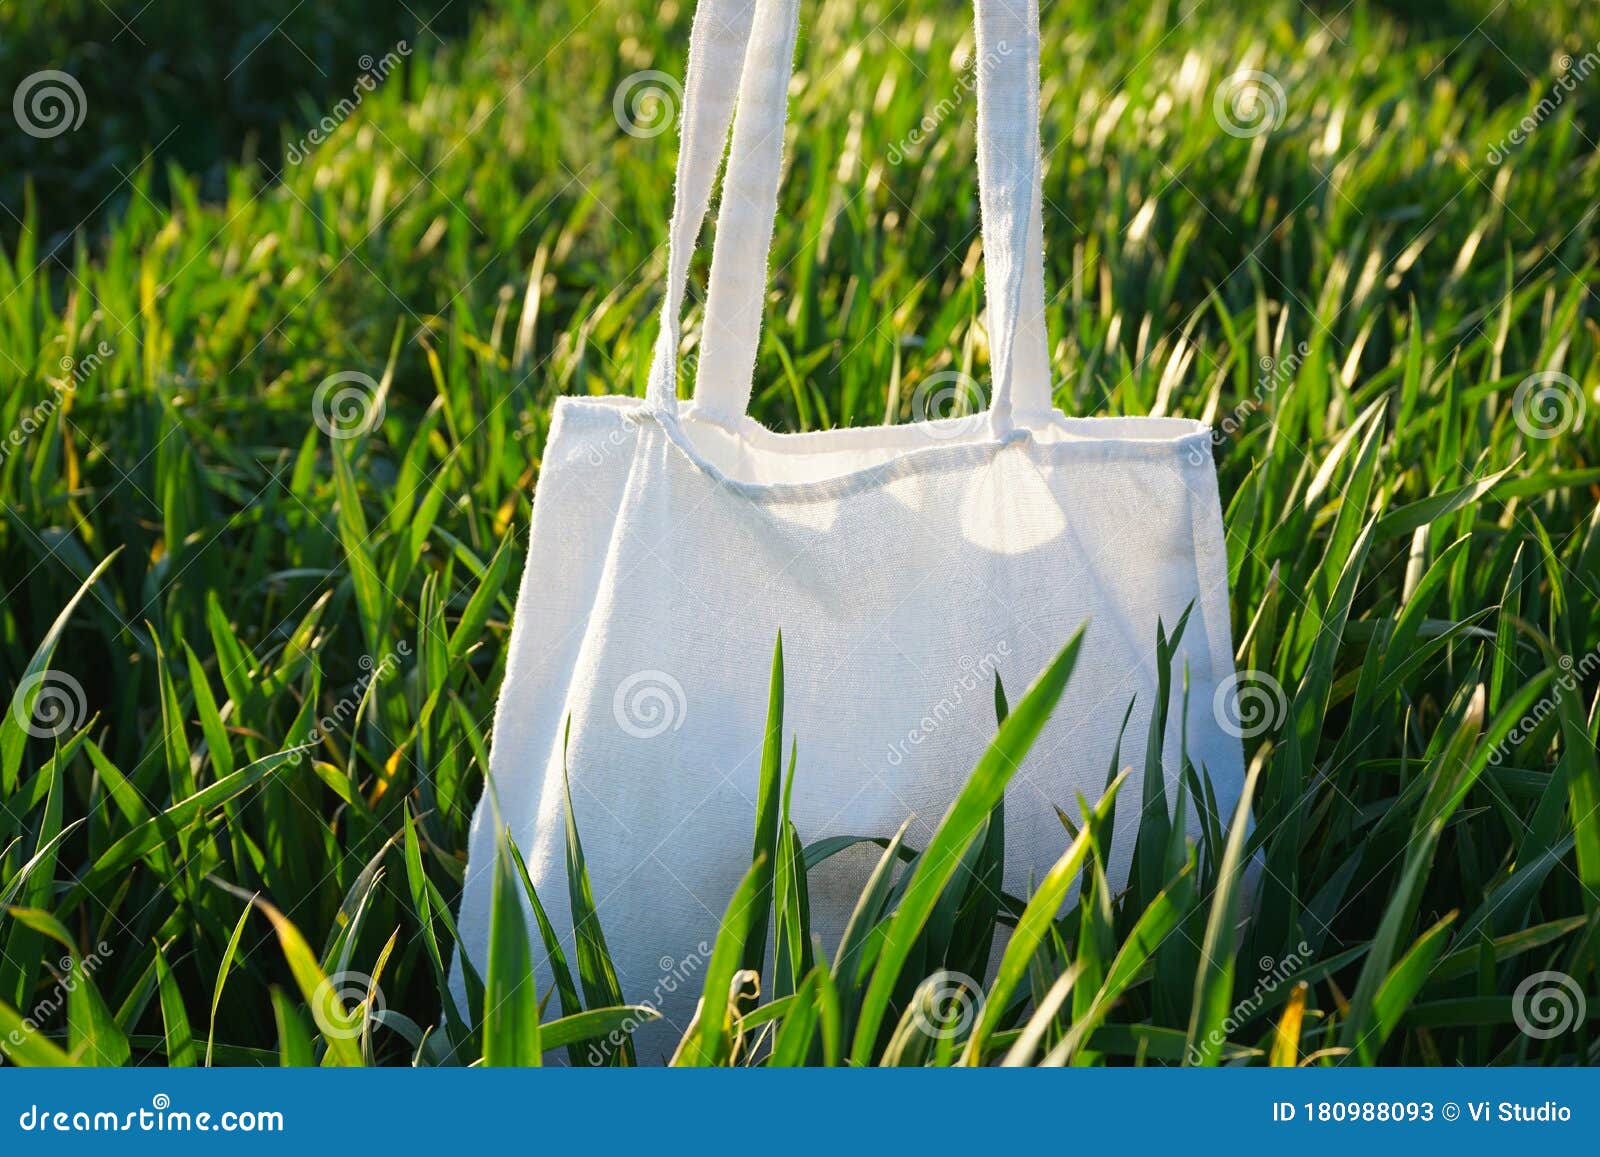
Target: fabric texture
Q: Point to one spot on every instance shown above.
(906, 567)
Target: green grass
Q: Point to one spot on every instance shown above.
(277, 652)
(169, 82)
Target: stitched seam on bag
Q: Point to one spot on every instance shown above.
(905, 462)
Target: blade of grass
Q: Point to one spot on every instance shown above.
(960, 824)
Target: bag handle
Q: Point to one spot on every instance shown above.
(1008, 175)
(717, 41)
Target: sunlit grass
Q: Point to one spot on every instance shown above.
(278, 677)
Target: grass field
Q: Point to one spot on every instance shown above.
(255, 622)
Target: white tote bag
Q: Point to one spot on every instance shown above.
(905, 565)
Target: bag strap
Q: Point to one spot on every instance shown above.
(736, 293)
(1008, 174)
(717, 42)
